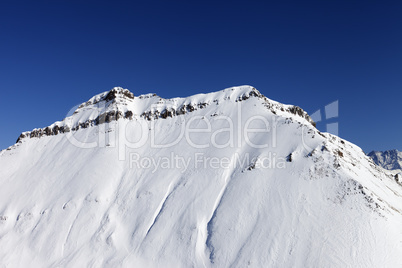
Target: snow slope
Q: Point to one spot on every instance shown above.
(150, 182)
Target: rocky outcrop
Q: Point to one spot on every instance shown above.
(118, 91)
(274, 107)
(115, 98)
(170, 112)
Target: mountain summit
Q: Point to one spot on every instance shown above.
(121, 103)
(224, 179)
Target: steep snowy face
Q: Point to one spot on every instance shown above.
(226, 179)
(390, 160)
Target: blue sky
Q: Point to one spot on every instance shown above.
(56, 54)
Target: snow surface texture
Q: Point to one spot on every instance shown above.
(91, 196)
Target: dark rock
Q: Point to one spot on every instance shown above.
(84, 124)
(55, 130)
(48, 131)
(181, 110)
(202, 105)
(113, 93)
(296, 110)
(20, 137)
(190, 108)
(128, 115)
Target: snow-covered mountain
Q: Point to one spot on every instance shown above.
(226, 179)
(390, 160)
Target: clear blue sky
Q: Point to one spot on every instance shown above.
(56, 54)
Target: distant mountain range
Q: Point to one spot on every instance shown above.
(390, 160)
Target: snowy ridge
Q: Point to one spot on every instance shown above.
(121, 103)
(208, 199)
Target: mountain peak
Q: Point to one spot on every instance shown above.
(229, 178)
(390, 160)
(120, 103)
(118, 92)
